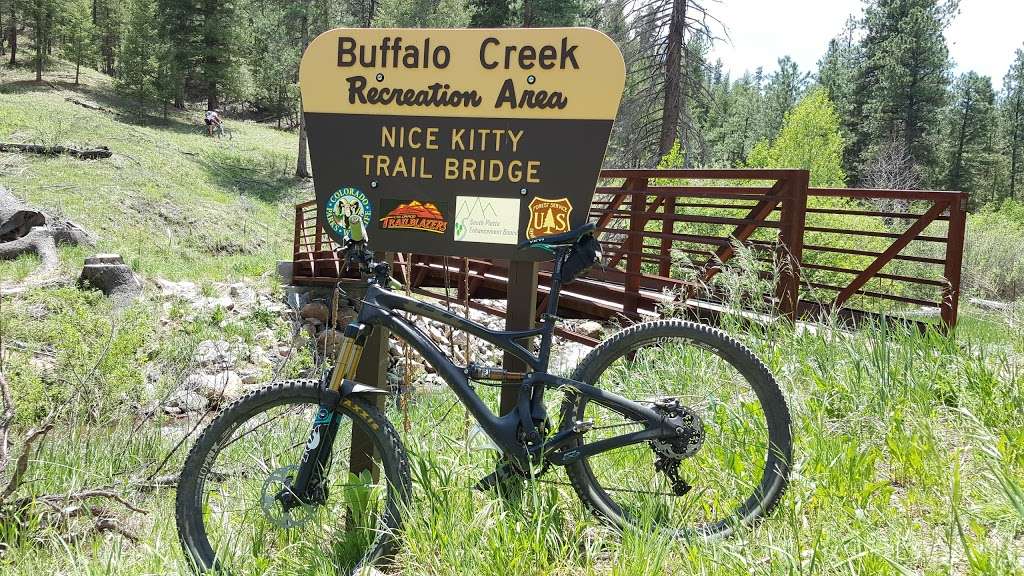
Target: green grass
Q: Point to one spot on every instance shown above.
(172, 201)
(909, 447)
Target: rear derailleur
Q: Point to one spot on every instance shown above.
(669, 452)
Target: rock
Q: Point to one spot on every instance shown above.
(316, 310)
(430, 383)
(258, 357)
(249, 378)
(185, 290)
(284, 270)
(216, 387)
(189, 401)
(216, 355)
(328, 342)
(242, 294)
(109, 274)
(590, 328)
(310, 329)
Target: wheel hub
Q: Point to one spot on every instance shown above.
(280, 506)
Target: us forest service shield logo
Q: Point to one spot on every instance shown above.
(548, 217)
(415, 215)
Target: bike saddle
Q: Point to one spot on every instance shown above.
(559, 240)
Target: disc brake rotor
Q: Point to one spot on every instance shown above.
(273, 509)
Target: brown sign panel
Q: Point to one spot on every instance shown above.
(458, 142)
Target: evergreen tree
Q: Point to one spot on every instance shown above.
(423, 14)
(781, 93)
(904, 78)
(107, 16)
(490, 13)
(137, 58)
(217, 68)
(970, 123)
(1012, 113)
(79, 35)
(41, 19)
(838, 72)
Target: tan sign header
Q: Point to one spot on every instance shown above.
(542, 73)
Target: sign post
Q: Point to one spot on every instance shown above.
(460, 142)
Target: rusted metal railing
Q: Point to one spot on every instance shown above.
(851, 252)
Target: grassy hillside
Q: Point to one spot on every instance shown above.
(909, 447)
(172, 201)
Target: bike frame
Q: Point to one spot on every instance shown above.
(515, 433)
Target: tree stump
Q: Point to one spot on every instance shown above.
(25, 230)
(109, 274)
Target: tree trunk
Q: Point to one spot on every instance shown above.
(14, 35)
(211, 98)
(673, 68)
(39, 58)
(301, 164)
(78, 68)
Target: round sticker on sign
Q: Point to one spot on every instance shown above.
(345, 204)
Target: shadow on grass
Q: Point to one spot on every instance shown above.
(262, 177)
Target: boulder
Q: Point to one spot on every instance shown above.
(328, 342)
(189, 401)
(317, 310)
(215, 355)
(590, 328)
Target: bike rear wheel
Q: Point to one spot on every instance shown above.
(738, 471)
(229, 520)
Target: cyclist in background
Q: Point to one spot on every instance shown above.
(213, 120)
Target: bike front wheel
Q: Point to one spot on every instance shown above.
(230, 517)
(732, 475)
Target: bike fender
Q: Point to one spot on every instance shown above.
(350, 387)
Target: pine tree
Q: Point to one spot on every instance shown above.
(108, 18)
(218, 48)
(838, 73)
(79, 35)
(970, 122)
(137, 58)
(1012, 113)
(41, 18)
(784, 88)
(904, 77)
(490, 13)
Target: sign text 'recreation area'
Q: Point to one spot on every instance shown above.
(458, 142)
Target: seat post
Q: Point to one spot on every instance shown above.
(552, 309)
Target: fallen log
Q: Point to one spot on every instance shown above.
(80, 153)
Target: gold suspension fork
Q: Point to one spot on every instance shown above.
(349, 353)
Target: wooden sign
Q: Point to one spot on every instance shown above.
(458, 142)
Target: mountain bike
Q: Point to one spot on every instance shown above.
(667, 426)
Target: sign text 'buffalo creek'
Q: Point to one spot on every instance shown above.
(459, 142)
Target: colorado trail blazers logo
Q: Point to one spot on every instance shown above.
(548, 216)
(415, 215)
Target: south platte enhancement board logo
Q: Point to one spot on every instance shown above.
(548, 216)
(344, 205)
(413, 215)
(487, 220)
